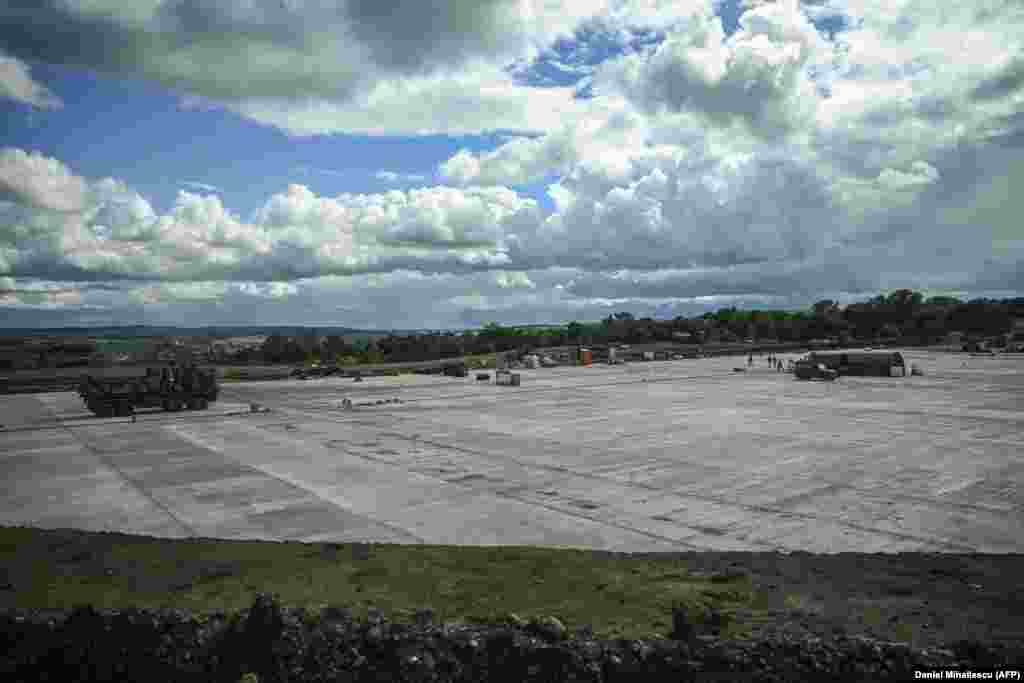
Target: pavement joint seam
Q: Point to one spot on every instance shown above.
(311, 491)
(502, 494)
(706, 498)
(134, 484)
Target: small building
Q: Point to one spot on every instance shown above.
(862, 363)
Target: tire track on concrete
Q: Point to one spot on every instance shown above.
(702, 497)
(532, 503)
(298, 485)
(135, 485)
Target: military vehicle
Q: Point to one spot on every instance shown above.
(170, 388)
(808, 369)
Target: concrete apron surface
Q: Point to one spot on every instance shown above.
(676, 455)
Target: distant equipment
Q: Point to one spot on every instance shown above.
(807, 369)
(862, 363)
(456, 370)
(506, 378)
(483, 376)
(170, 388)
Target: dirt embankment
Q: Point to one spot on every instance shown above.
(268, 643)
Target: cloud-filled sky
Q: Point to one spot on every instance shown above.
(395, 164)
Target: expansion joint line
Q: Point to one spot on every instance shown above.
(131, 482)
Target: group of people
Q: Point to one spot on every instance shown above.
(773, 361)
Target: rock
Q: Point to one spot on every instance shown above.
(424, 616)
(549, 628)
(515, 620)
(584, 632)
(360, 551)
(334, 614)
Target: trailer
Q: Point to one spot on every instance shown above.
(809, 370)
(862, 363)
(171, 388)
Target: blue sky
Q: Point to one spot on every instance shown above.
(519, 162)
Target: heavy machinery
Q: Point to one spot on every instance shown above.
(169, 388)
(806, 368)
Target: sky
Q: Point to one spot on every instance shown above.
(394, 164)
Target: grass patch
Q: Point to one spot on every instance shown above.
(617, 597)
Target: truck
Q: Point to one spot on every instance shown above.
(169, 388)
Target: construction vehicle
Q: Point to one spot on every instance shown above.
(170, 388)
(808, 369)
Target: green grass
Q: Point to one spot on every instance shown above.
(620, 597)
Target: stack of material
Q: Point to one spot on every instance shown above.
(507, 379)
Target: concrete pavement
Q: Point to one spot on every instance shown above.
(648, 456)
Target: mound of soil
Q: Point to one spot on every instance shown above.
(279, 644)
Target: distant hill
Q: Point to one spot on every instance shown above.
(163, 331)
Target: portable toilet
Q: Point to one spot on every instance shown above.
(586, 357)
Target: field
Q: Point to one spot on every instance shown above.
(671, 457)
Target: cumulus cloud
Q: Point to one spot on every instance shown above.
(16, 83)
(314, 67)
(770, 165)
(31, 178)
(757, 77)
(57, 221)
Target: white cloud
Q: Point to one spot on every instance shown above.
(204, 187)
(16, 83)
(393, 176)
(109, 229)
(39, 181)
(468, 103)
(772, 165)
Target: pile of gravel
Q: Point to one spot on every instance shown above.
(269, 643)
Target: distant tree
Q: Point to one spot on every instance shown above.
(273, 348)
(574, 330)
(943, 301)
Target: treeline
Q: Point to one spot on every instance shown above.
(903, 317)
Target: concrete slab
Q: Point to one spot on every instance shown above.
(648, 456)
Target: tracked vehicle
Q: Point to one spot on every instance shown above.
(169, 388)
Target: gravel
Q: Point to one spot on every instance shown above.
(282, 644)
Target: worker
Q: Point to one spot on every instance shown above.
(750, 360)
